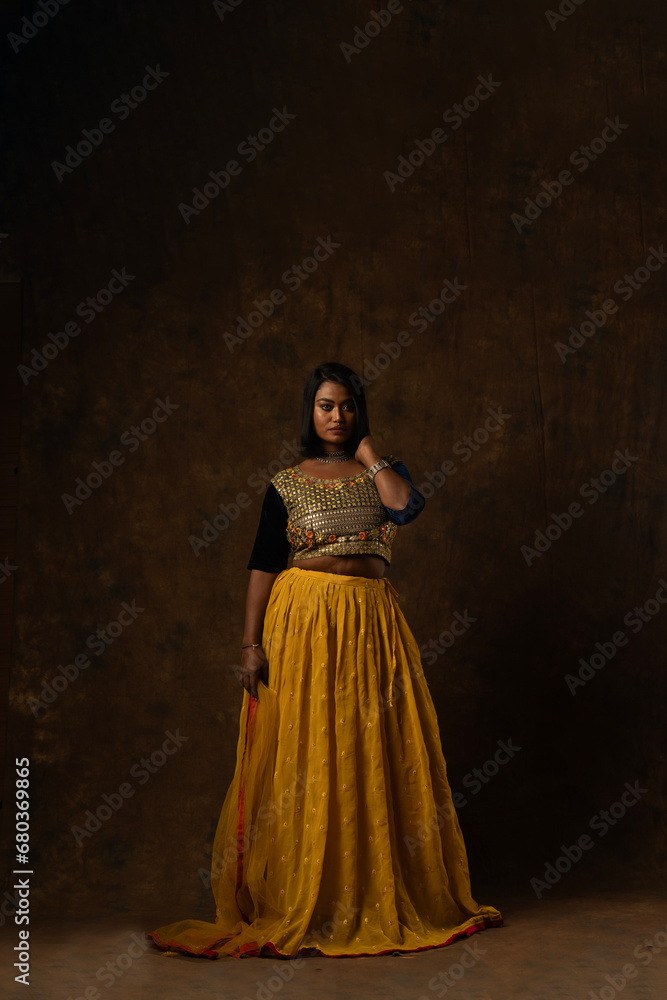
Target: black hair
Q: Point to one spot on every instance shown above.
(331, 371)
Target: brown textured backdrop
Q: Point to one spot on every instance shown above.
(162, 337)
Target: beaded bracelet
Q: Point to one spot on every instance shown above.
(251, 645)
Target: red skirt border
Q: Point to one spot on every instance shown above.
(252, 949)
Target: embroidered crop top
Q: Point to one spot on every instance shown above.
(308, 516)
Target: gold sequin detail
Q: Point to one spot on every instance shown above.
(341, 516)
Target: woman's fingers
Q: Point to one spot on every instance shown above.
(250, 674)
(253, 682)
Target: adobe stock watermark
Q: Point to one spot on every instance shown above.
(431, 650)
(626, 288)
(454, 116)
(87, 309)
(98, 641)
(581, 158)
(221, 7)
(116, 968)
(260, 480)
(378, 20)
(644, 953)
(267, 813)
(565, 9)
(468, 958)
(465, 447)
(600, 823)
(371, 710)
(592, 490)
(6, 570)
(474, 781)
(419, 320)
(122, 107)
(131, 439)
(46, 11)
(249, 148)
(293, 278)
(142, 771)
(635, 619)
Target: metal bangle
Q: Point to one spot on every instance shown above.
(374, 469)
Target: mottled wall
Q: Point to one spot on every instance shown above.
(520, 278)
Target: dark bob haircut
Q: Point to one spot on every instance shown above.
(331, 371)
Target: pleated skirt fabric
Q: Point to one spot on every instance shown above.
(338, 831)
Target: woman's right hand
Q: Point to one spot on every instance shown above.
(254, 667)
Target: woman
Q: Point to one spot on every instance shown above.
(338, 831)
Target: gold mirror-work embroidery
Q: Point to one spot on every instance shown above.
(343, 516)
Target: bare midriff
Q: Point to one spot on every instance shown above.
(352, 565)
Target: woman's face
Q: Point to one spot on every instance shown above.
(334, 415)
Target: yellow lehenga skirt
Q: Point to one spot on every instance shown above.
(338, 831)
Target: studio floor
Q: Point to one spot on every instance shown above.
(598, 944)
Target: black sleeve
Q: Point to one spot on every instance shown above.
(415, 504)
(271, 549)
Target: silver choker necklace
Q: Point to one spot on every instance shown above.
(336, 456)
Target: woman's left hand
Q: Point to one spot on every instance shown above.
(367, 453)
